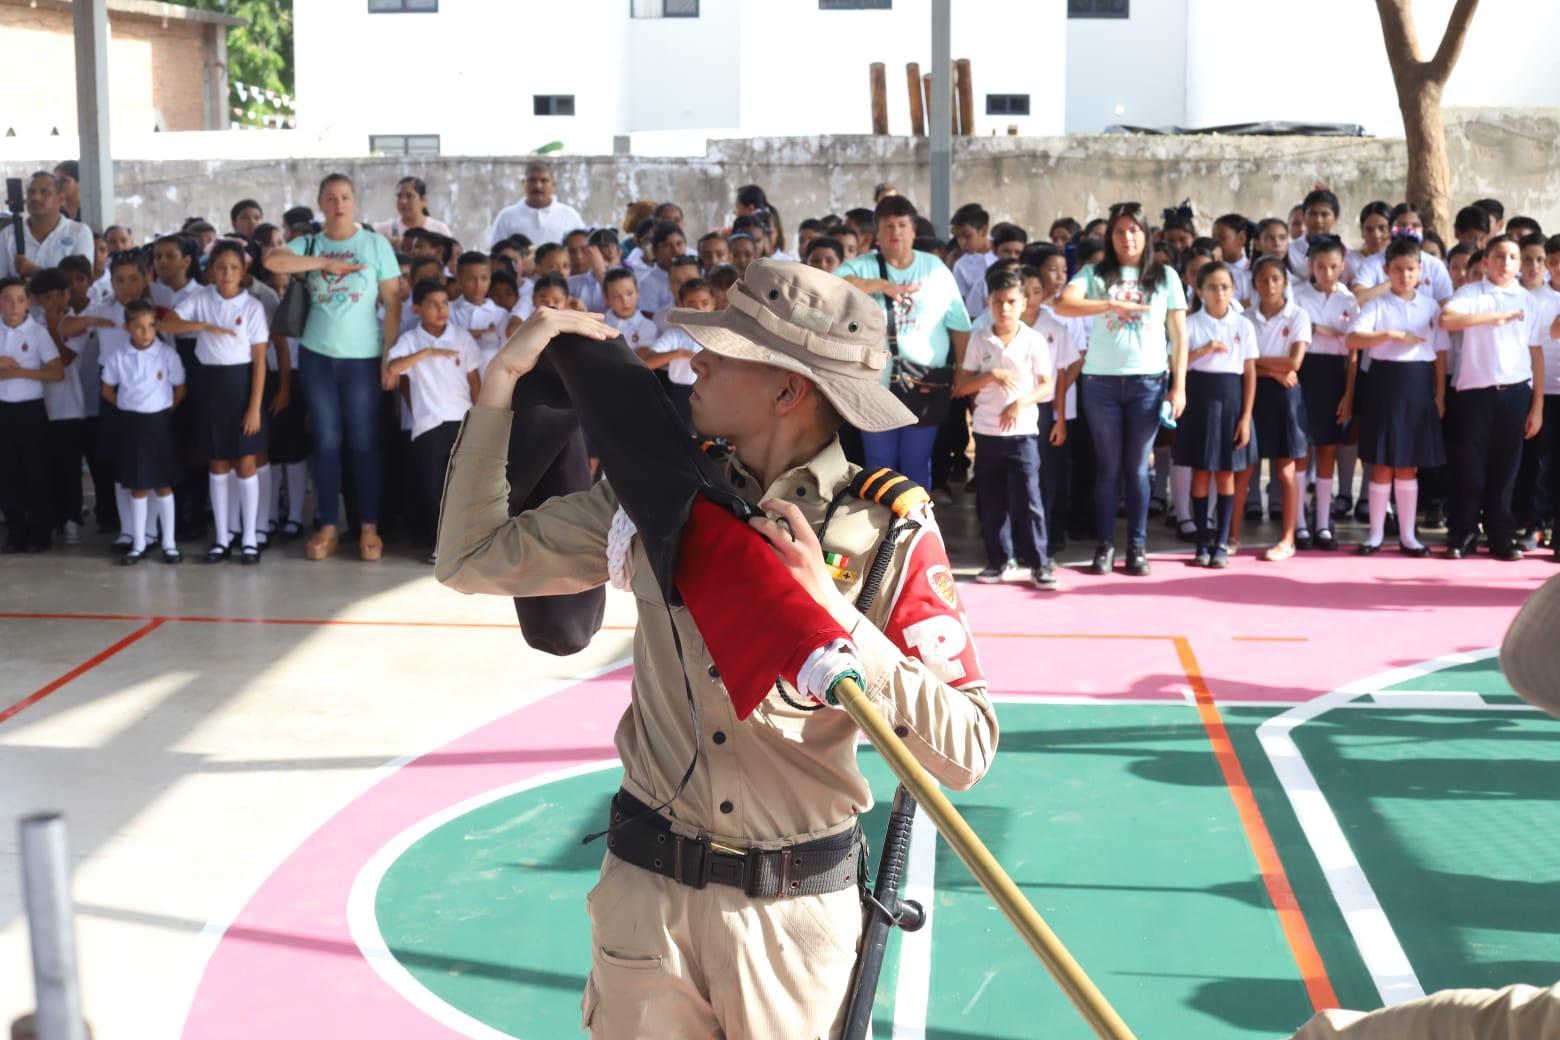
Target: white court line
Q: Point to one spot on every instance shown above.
(206, 943)
(913, 987)
(364, 922)
(1378, 944)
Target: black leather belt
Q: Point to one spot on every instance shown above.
(645, 839)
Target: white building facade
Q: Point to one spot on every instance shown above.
(503, 77)
(1199, 63)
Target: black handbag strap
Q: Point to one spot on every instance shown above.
(888, 306)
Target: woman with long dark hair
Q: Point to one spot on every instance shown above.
(1136, 358)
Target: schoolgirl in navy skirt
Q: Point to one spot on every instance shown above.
(1327, 377)
(1401, 430)
(1278, 416)
(230, 428)
(1214, 434)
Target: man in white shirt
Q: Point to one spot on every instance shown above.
(539, 216)
(50, 235)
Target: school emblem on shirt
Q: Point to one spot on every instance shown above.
(1284, 331)
(24, 348)
(238, 323)
(159, 374)
(940, 578)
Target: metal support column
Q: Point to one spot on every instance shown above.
(941, 116)
(97, 160)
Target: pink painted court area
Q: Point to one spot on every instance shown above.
(1262, 633)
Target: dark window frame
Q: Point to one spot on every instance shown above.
(1007, 104)
(664, 13)
(377, 143)
(547, 105)
(402, 7)
(1099, 9)
(855, 5)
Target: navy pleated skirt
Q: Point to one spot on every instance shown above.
(1205, 436)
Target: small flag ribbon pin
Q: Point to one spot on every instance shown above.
(838, 564)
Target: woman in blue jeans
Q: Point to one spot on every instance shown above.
(1137, 354)
(349, 269)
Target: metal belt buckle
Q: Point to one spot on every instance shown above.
(724, 864)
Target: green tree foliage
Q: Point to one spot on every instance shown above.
(260, 59)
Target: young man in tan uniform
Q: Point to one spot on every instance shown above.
(727, 904)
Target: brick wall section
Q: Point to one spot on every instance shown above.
(150, 68)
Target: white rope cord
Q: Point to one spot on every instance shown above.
(620, 540)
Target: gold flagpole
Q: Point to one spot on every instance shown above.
(1080, 989)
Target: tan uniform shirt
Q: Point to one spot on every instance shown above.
(781, 775)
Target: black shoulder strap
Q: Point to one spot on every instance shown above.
(888, 306)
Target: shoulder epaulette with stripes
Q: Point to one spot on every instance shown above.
(891, 489)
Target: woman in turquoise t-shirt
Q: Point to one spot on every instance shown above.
(1137, 345)
(349, 270)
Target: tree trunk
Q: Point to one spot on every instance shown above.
(1429, 173)
(1419, 86)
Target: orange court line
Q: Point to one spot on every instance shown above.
(81, 669)
(1290, 918)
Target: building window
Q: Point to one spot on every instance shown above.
(1007, 104)
(855, 5)
(663, 8)
(403, 6)
(552, 104)
(1097, 8)
(403, 144)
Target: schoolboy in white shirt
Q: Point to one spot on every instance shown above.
(443, 365)
(28, 359)
(485, 320)
(1007, 367)
(623, 311)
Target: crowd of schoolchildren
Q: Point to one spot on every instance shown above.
(1436, 364)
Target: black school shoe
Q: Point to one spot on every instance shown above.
(1506, 553)
(249, 555)
(1302, 539)
(121, 544)
(1104, 559)
(172, 556)
(218, 554)
(1366, 549)
(1137, 561)
(130, 558)
(1044, 577)
(1418, 552)
(1325, 540)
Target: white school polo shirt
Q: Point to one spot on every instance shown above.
(971, 268)
(1276, 335)
(64, 399)
(1029, 357)
(1336, 310)
(1495, 355)
(168, 299)
(637, 330)
(441, 391)
(1420, 316)
(1435, 281)
(30, 346)
(242, 313)
(587, 289)
(1233, 330)
(109, 341)
(1067, 340)
(1548, 309)
(486, 318)
(655, 290)
(145, 378)
(680, 371)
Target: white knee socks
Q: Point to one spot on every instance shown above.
(1379, 493)
(1324, 486)
(297, 484)
(219, 484)
(165, 521)
(1181, 493)
(122, 499)
(248, 508)
(1348, 456)
(137, 524)
(263, 518)
(1408, 511)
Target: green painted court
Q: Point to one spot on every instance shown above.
(1119, 823)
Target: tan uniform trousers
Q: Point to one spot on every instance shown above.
(1513, 1013)
(675, 962)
